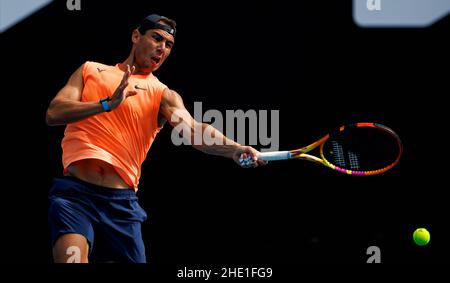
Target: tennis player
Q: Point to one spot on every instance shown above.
(112, 115)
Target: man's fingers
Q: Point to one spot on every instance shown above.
(124, 80)
(262, 162)
(251, 152)
(249, 158)
(247, 161)
(123, 85)
(128, 72)
(131, 93)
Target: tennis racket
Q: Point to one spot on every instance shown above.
(360, 149)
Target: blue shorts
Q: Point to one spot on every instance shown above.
(110, 219)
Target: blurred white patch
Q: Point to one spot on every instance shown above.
(14, 11)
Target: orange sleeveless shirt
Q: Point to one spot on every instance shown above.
(123, 136)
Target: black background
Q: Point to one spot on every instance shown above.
(310, 62)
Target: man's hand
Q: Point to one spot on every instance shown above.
(249, 152)
(119, 95)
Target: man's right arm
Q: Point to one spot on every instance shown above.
(67, 106)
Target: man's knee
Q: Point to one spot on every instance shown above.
(71, 248)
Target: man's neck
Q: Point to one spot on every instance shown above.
(138, 71)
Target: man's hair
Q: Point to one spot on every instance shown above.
(169, 22)
(153, 22)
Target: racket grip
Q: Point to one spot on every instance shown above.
(274, 155)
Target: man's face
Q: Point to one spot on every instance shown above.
(152, 48)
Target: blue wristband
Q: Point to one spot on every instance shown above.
(105, 105)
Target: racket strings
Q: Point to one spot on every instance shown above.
(338, 154)
(344, 158)
(353, 160)
(362, 149)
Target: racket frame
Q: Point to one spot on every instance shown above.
(301, 153)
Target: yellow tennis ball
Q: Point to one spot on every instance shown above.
(421, 236)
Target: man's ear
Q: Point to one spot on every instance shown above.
(135, 36)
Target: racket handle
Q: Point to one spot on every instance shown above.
(274, 155)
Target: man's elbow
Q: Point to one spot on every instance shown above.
(50, 118)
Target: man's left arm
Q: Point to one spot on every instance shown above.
(211, 141)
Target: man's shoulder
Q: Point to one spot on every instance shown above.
(154, 81)
(93, 63)
(96, 67)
